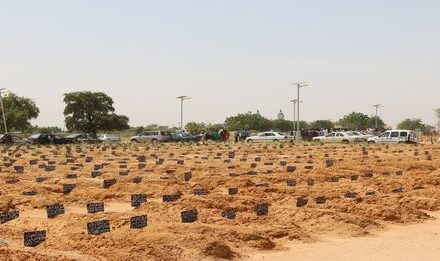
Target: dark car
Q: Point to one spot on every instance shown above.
(86, 138)
(44, 138)
(9, 138)
(184, 137)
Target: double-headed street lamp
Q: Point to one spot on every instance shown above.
(377, 106)
(298, 85)
(182, 98)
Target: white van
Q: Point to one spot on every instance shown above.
(395, 136)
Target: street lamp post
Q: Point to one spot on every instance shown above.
(182, 98)
(3, 110)
(298, 85)
(377, 108)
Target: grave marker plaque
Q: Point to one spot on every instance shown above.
(232, 191)
(320, 200)
(29, 193)
(138, 222)
(229, 213)
(67, 188)
(95, 207)
(8, 216)
(200, 191)
(142, 165)
(170, 198)
(138, 199)
(34, 238)
(107, 183)
(96, 174)
(351, 195)
(137, 180)
(54, 210)
(123, 173)
(72, 176)
(189, 216)
(19, 169)
(98, 227)
(262, 209)
(49, 168)
(291, 182)
(301, 202)
(283, 163)
(290, 169)
(187, 176)
(40, 179)
(311, 182)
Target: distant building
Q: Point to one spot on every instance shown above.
(280, 115)
(258, 113)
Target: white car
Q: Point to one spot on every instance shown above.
(360, 135)
(267, 136)
(338, 137)
(395, 136)
(108, 138)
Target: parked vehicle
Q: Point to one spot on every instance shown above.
(184, 137)
(359, 135)
(86, 138)
(152, 136)
(395, 136)
(9, 138)
(44, 138)
(109, 138)
(267, 136)
(338, 137)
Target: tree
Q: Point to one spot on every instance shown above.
(195, 127)
(248, 121)
(19, 111)
(357, 120)
(92, 111)
(50, 129)
(412, 124)
(324, 124)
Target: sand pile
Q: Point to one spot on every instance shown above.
(254, 198)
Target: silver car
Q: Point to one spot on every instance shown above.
(151, 136)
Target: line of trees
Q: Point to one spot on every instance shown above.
(91, 112)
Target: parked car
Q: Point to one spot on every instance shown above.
(359, 134)
(395, 136)
(44, 138)
(338, 137)
(87, 138)
(184, 137)
(9, 138)
(108, 138)
(267, 136)
(153, 136)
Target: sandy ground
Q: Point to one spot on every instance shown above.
(410, 242)
(345, 191)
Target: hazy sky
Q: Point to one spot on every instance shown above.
(230, 56)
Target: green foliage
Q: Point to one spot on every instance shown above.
(195, 127)
(324, 124)
(19, 111)
(92, 111)
(51, 129)
(360, 121)
(248, 121)
(412, 124)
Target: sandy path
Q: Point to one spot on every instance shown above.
(412, 242)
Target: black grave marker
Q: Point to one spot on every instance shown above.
(95, 207)
(107, 183)
(54, 210)
(229, 213)
(34, 238)
(138, 199)
(8, 216)
(262, 209)
(189, 216)
(98, 227)
(232, 191)
(138, 222)
(301, 202)
(67, 188)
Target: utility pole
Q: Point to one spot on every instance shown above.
(377, 108)
(298, 85)
(3, 110)
(182, 98)
(437, 112)
(294, 113)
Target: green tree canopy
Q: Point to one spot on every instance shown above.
(324, 124)
(19, 111)
(411, 124)
(92, 111)
(248, 121)
(360, 121)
